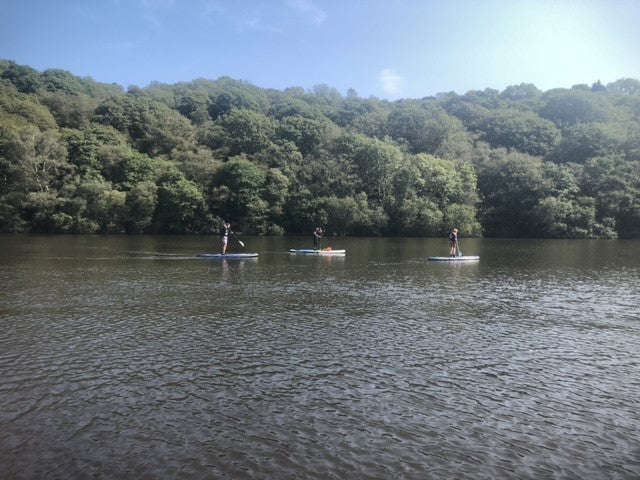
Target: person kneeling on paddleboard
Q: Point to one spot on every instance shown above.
(453, 243)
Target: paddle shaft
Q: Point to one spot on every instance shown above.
(236, 237)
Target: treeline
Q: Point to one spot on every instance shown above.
(78, 156)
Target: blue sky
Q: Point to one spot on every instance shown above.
(384, 48)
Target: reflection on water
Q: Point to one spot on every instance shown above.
(127, 357)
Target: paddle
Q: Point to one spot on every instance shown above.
(236, 237)
(459, 251)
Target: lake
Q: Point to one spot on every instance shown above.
(127, 357)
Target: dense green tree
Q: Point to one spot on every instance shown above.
(306, 133)
(238, 192)
(11, 218)
(158, 130)
(463, 217)
(353, 107)
(126, 167)
(567, 108)
(375, 161)
(511, 185)
(276, 191)
(301, 210)
(561, 211)
(18, 109)
(25, 79)
(473, 116)
(372, 124)
(417, 216)
(245, 131)
(195, 105)
(70, 110)
(181, 205)
(153, 127)
(351, 215)
(141, 202)
(158, 92)
(425, 128)
(39, 211)
(440, 188)
(293, 106)
(105, 206)
(625, 86)
(199, 166)
(227, 94)
(615, 184)
(330, 175)
(33, 160)
(588, 140)
(84, 148)
(61, 81)
(518, 130)
(81, 156)
(518, 93)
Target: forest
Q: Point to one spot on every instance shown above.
(79, 156)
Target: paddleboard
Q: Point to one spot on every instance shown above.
(227, 255)
(463, 258)
(310, 251)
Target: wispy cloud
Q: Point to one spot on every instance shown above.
(314, 13)
(391, 82)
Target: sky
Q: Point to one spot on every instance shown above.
(389, 49)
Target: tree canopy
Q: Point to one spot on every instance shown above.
(79, 156)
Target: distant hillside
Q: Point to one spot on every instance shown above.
(78, 156)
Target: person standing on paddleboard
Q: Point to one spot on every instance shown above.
(317, 235)
(453, 242)
(224, 235)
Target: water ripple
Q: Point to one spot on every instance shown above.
(311, 369)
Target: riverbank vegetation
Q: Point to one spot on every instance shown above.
(78, 156)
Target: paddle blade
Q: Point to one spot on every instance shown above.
(241, 243)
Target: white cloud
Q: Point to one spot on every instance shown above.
(315, 14)
(391, 82)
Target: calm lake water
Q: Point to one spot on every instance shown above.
(127, 357)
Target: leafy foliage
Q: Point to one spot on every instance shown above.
(78, 156)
